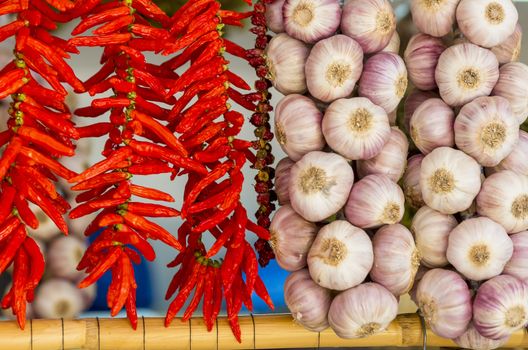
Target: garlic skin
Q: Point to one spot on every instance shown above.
(414, 100)
(472, 339)
(487, 130)
(513, 86)
(308, 302)
(274, 19)
(370, 22)
(391, 160)
(63, 255)
(291, 238)
(421, 57)
(285, 59)
(298, 136)
(465, 72)
(510, 49)
(56, 298)
(500, 307)
(517, 160)
(431, 231)
(396, 259)
(384, 80)
(431, 125)
(394, 44)
(450, 180)
(444, 300)
(518, 264)
(362, 311)
(486, 23)
(374, 201)
(411, 182)
(282, 180)
(479, 248)
(504, 199)
(435, 18)
(417, 278)
(319, 185)
(356, 128)
(341, 256)
(311, 20)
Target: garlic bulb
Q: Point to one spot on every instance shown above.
(449, 179)
(333, 67)
(434, 17)
(510, 49)
(64, 253)
(88, 294)
(465, 72)
(431, 231)
(393, 117)
(396, 259)
(472, 339)
(319, 185)
(487, 130)
(291, 238)
(486, 22)
(417, 278)
(517, 160)
(308, 302)
(500, 307)
(311, 20)
(370, 22)
(282, 180)
(394, 44)
(341, 256)
(298, 136)
(384, 80)
(362, 311)
(518, 264)
(504, 199)
(56, 298)
(513, 85)
(391, 160)
(374, 201)
(421, 57)
(431, 125)
(356, 128)
(285, 59)
(414, 100)
(411, 182)
(444, 300)
(479, 248)
(274, 19)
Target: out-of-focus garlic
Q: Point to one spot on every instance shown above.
(411, 182)
(282, 180)
(311, 20)
(274, 18)
(510, 49)
(517, 160)
(63, 255)
(513, 85)
(421, 57)
(434, 17)
(56, 298)
(431, 125)
(414, 100)
(518, 264)
(394, 44)
(472, 339)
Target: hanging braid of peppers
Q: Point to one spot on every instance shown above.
(208, 127)
(38, 132)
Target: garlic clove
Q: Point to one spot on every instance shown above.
(333, 67)
(285, 60)
(274, 19)
(472, 339)
(465, 72)
(362, 311)
(282, 180)
(421, 57)
(518, 264)
(374, 201)
(311, 20)
(298, 136)
(500, 307)
(384, 80)
(434, 17)
(504, 199)
(513, 86)
(411, 182)
(64, 253)
(487, 130)
(510, 49)
(319, 185)
(394, 44)
(414, 100)
(450, 180)
(341, 256)
(356, 128)
(431, 125)
(486, 23)
(56, 298)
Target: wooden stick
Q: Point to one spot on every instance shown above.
(258, 332)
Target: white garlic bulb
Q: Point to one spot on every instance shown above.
(417, 278)
(486, 22)
(421, 57)
(449, 179)
(472, 339)
(431, 231)
(285, 59)
(308, 302)
(510, 49)
(282, 180)
(311, 20)
(435, 17)
(517, 160)
(487, 130)
(396, 259)
(431, 125)
(333, 67)
(394, 44)
(504, 199)
(513, 85)
(291, 238)
(411, 182)
(500, 307)
(56, 298)
(341, 256)
(298, 136)
(518, 264)
(414, 100)
(319, 185)
(63, 255)
(465, 72)
(362, 311)
(356, 128)
(274, 19)
(374, 201)
(444, 300)
(384, 80)
(390, 161)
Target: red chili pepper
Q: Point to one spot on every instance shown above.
(261, 291)
(101, 180)
(8, 226)
(47, 162)
(20, 278)
(25, 213)
(10, 29)
(114, 26)
(103, 166)
(152, 210)
(150, 193)
(101, 40)
(10, 154)
(12, 246)
(6, 201)
(94, 205)
(151, 229)
(186, 13)
(234, 49)
(37, 262)
(183, 294)
(129, 236)
(150, 10)
(61, 5)
(44, 140)
(103, 266)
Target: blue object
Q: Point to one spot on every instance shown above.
(274, 278)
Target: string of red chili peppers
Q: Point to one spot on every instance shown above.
(39, 131)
